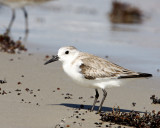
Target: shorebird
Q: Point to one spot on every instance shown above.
(13, 4)
(92, 71)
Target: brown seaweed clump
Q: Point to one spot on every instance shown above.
(155, 100)
(10, 46)
(124, 13)
(134, 119)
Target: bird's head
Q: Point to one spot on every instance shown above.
(64, 54)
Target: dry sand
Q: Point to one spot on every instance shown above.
(46, 106)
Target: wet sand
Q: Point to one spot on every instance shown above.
(39, 96)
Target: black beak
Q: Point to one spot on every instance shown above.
(54, 58)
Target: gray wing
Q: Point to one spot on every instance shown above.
(95, 67)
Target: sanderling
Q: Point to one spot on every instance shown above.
(92, 71)
(13, 4)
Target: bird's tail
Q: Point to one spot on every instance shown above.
(144, 75)
(139, 75)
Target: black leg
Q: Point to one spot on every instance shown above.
(11, 22)
(26, 23)
(95, 100)
(104, 97)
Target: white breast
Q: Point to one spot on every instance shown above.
(73, 71)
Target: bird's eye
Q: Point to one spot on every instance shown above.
(67, 52)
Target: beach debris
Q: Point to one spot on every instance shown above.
(68, 125)
(80, 98)
(124, 13)
(17, 90)
(83, 119)
(3, 81)
(19, 83)
(98, 124)
(18, 93)
(31, 91)
(133, 118)
(155, 100)
(91, 96)
(76, 119)
(27, 89)
(47, 56)
(10, 46)
(68, 96)
(133, 104)
(4, 92)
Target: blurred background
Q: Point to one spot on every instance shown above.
(128, 34)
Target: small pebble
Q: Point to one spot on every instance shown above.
(91, 96)
(83, 119)
(18, 90)
(3, 92)
(19, 83)
(76, 111)
(27, 89)
(18, 93)
(47, 56)
(134, 104)
(3, 81)
(80, 97)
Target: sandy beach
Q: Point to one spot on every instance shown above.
(34, 95)
(39, 96)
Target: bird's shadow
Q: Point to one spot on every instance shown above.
(88, 107)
